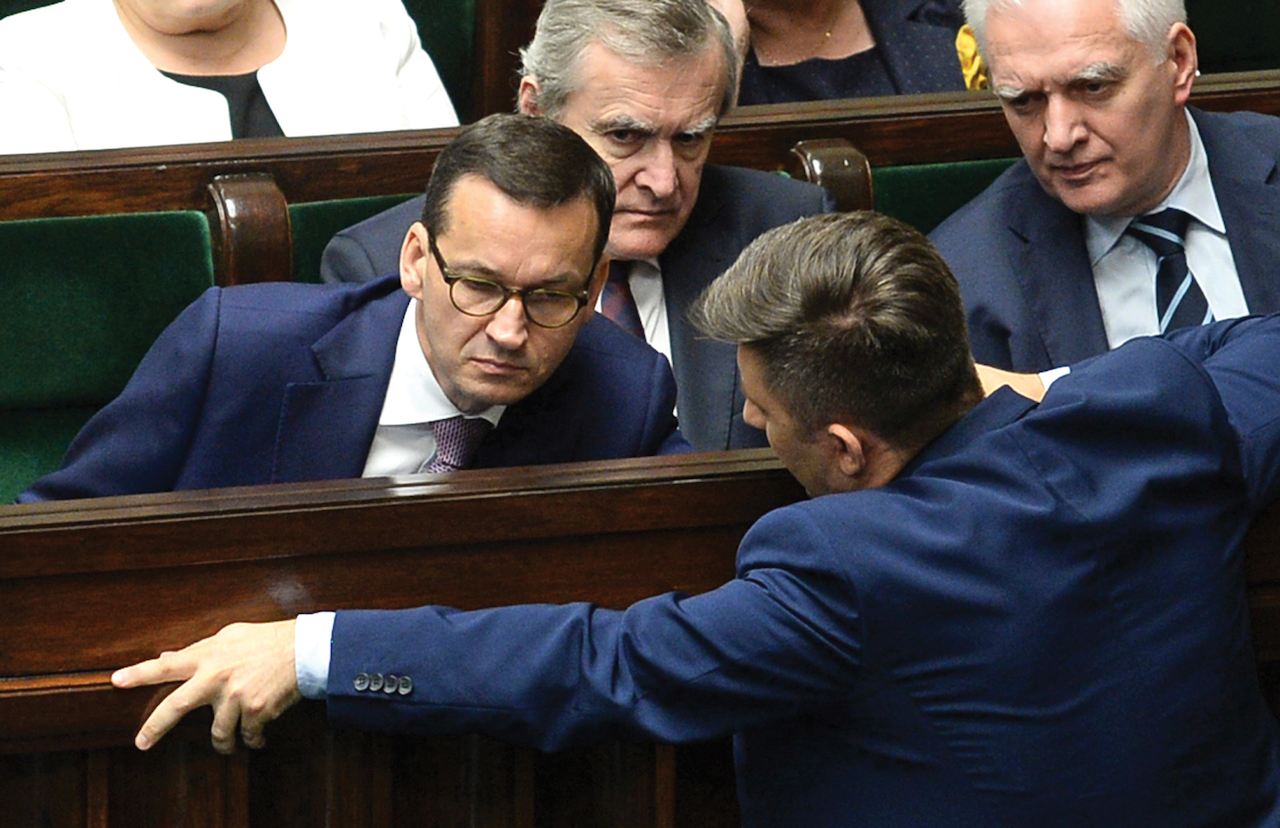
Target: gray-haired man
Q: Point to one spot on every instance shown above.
(1051, 263)
(644, 82)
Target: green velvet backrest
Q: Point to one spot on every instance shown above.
(315, 222)
(81, 301)
(923, 195)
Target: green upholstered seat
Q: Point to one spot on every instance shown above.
(314, 223)
(923, 195)
(81, 301)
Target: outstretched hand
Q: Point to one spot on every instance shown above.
(246, 673)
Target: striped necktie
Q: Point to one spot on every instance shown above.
(1179, 301)
(616, 301)
(457, 439)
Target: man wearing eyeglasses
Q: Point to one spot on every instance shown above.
(484, 352)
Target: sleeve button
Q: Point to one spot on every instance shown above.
(361, 682)
(406, 686)
(375, 682)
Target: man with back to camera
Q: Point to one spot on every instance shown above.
(644, 82)
(970, 623)
(1072, 251)
(496, 361)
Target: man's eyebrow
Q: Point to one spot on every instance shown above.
(1102, 72)
(467, 267)
(623, 122)
(703, 127)
(1008, 93)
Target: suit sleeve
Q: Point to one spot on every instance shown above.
(369, 249)
(139, 441)
(345, 259)
(784, 633)
(422, 94)
(1242, 357)
(662, 435)
(34, 119)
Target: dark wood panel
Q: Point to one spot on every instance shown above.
(91, 585)
(900, 130)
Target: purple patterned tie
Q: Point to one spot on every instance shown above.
(457, 439)
(616, 301)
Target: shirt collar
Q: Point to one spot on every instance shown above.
(413, 394)
(1193, 194)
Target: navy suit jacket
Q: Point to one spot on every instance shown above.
(284, 382)
(734, 207)
(1024, 270)
(1041, 622)
(916, 40)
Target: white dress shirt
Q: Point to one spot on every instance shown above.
(403, 441)
(1124, 269)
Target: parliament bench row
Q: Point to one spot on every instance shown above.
(83, 297)
(103, 249)
(89, 586)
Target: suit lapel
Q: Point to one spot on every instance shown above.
(326, 427)
(705, 371)
(541, 428)
(1245, 184)
(1051, 264)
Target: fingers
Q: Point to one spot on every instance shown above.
(169, 712)
(245, 673)
(168, 667)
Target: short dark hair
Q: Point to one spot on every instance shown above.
(533, 161)
(856, 318)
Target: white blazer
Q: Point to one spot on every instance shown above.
(70, 78)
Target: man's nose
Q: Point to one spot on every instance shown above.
(509, 327)
(1064, 125)
(659, 174)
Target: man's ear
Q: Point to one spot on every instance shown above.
(1186, 63)
(414, 253)
(598, 277)
(849, 451)
(527, 98)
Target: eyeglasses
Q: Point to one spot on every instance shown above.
(477, 296)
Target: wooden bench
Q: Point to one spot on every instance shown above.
(265, 225)
(89, 586)
(272, 204)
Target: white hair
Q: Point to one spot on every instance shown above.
(1145, 21)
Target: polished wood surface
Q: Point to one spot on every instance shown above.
(89, 586)
(902, 130)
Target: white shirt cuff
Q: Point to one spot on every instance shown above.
(1053, 375)
(312, 638)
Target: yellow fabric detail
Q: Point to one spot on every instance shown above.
(971, 62)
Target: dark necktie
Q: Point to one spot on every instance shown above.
(616, 301)
(1179, 301)
(457, 439)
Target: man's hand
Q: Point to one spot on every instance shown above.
(245, 672)
(1028, 385)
